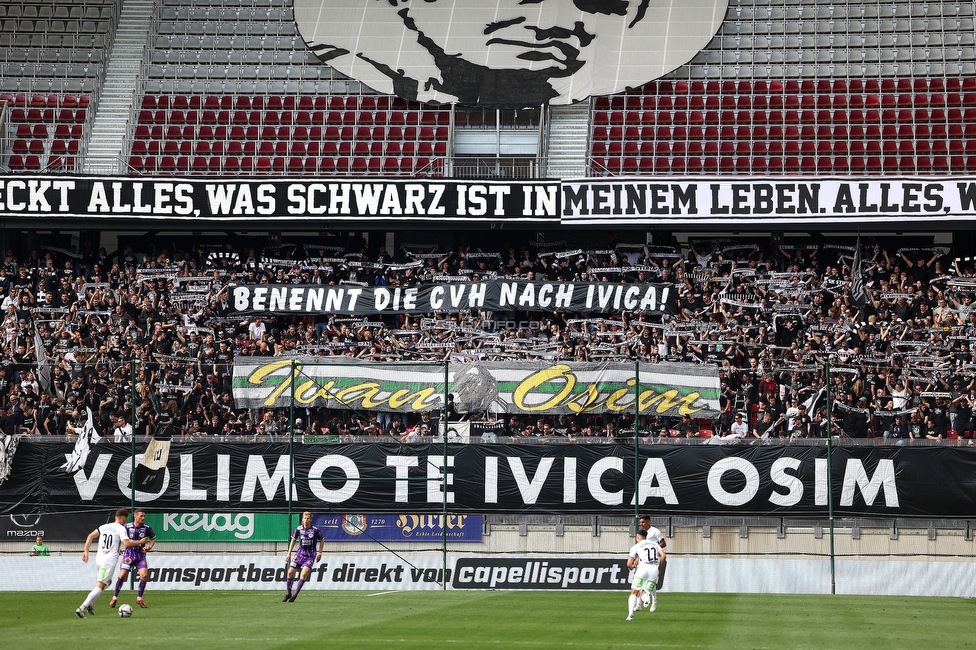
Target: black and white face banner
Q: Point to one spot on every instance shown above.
(507, 53)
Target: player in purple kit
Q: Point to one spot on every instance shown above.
(305, 535)
(135, 556)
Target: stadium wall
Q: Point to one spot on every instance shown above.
(390, 573)
(768, 559)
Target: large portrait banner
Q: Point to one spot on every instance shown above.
(507, 53)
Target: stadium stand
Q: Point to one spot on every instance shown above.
(822, 88)
(228, 87)
(761, 315)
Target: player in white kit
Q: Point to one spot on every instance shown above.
(654, 535)
(645, 557)
(112, 538)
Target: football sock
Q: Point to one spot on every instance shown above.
(142, 587)
(633, 604)
(298, 587)
(92, 597)
(118, 587)
(291, 581)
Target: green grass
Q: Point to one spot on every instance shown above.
(492, 619)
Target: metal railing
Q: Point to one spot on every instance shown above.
(308, 438)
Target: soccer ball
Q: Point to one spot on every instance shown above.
(125, 611)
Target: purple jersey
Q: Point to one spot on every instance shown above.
(135, 533)
(307, 539)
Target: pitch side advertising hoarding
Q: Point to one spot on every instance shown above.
(380, 572)
(399, 528)
(229, 527)
(56, 527)
(384, 573)
(219, 526)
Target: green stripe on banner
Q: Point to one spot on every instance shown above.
(219, 526)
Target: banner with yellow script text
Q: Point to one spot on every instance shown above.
(527, 387)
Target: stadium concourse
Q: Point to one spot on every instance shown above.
(902, 366)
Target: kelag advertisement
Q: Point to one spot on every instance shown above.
(219, 526)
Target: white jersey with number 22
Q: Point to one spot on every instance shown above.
(646, 551)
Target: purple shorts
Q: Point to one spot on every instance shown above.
(137, 563)
(302, 560)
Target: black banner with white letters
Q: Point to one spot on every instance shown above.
(496, 295)
(600, 202)
(291, 199)
(55, 527)
(724, 480)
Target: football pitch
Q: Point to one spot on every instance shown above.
(485, 619)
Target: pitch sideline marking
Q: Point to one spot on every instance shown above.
(602, 644)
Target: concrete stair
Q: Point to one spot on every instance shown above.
(110, 126)
(568, 151)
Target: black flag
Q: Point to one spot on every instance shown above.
(859, 294)
(151, 470)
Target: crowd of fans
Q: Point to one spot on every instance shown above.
(153, 331)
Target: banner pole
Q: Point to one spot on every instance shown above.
(132, 460)
(830, 479)
(636, 440)
(447, 366)
(132, 438)
(291, 449)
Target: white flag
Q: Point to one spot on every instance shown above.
(88, 437)
(8, 447)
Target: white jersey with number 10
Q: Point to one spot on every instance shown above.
(110, 538)
(646, 551)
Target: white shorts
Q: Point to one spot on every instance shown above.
(106, 570)
(645, 577)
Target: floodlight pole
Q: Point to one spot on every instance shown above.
(830, 478)
(444, 417)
